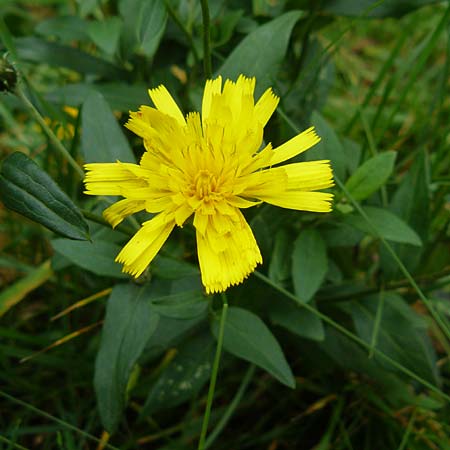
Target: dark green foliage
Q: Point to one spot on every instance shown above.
(330, 345)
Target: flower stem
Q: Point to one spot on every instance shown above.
(206, 40)
(215, 371)
(48, 131)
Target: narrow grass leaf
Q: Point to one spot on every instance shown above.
(309, 264)
(371, 175)
(15, 293)
(28, 190)
(129, 324)
(247, 337)
(102, 139)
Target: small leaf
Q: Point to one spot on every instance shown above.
(102, 139)
(105, 33)
(151, 25)
(97, 257)
(260, 53)
(65, 28)
(297, 320)
(247, 337)
(184, 376)
(371, 175)
(183, 305)
(280, 263)
(309, 264)
(329, 147)
(28, 190)
(390, 226)
(129, 324)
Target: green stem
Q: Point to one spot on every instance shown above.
(352, 336)
(206, 40)
(215, 371)
(174, 16)
(48, 131)
(232, 407)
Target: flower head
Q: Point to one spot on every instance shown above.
(210, 166)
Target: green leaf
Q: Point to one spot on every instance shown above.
(371, 175)
(172, 269)
(401, 335)
(309, 264)
(97, 257)
(390, 226)
(42, 51)
(297, 320)
(373, 8)
(261, 52)
(151, 24)
(129, 324)
(120, 96)
(247, 337)
(280, 263)
(65, 28)
(102, 139)
(329, 146)
(28, 190)
(105, 33)
(185, 375)
(183, 305)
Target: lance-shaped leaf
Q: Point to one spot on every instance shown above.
(28, 190)
(129, 324)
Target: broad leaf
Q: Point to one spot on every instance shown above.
(105, 33)
(129, 324)
(42, 51)
(371, 175)
(260, 53)
(65, 28)
(247, 337)
(185, 375)
(297, 320)
(309, 264)
(329, 147)
(102, 139)
(28, 190)
(151, 24)
(280, 263)
(390, 226)
(183, 305)
(97, 257)
(401, 335)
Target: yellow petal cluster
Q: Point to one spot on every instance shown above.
(209, 166)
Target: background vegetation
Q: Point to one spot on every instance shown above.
(341, 340)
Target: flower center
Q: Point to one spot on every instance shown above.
(204, 185)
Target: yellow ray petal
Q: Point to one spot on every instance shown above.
(118, 211)
(165, 103)
(295, 146)
(212, 87)
(303, 201)
(226, 259)
(145, 244)
(266, 106)
(111, 178)
(309, 176)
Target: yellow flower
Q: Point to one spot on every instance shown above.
(209, 166)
